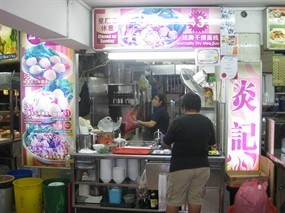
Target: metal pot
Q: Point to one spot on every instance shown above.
(93, 138)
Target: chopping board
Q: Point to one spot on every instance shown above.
(132, 150)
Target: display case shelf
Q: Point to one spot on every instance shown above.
(9, 119)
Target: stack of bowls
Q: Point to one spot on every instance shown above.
(122, 162)
(118, 174)
(133, 169)
(106, 170)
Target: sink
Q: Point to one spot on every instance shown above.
(140, 143)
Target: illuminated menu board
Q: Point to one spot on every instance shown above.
(8, 44)
(47, 90)
(156, 28)
(275, 28)
(243, 118)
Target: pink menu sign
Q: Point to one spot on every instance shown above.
(156, 28)
(243, 112)
(47, 94)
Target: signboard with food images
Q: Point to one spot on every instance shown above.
(156, 28)
(275, 20)
(8, 43)
(47, 89)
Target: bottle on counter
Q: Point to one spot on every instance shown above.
(154, 199)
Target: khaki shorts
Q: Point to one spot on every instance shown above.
(187, 186)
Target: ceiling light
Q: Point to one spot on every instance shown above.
(151, 55)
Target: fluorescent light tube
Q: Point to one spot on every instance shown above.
(151, 55)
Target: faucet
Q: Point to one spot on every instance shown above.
(157, 135)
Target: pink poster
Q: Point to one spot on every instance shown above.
(47, 93)
(243, 112)
(156, 28)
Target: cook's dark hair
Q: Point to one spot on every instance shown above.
(191, 101)
(161, 98)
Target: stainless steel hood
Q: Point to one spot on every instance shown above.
(146, 3)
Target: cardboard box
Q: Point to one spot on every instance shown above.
(236, 178)
(265, 173)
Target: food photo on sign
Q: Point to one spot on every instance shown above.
(42, 62)
(142, 28)
(45, 146)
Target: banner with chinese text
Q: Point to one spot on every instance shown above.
(156, 28)
(243, 118)
(47, 93)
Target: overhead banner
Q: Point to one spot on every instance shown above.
(47, 93)
(243, 112)
(156, 28)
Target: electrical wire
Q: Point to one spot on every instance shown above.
(93, 68)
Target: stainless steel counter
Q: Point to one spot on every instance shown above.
(159, 157)
(276, 157)
(214, 186)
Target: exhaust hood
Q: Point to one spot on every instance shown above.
(153, 56)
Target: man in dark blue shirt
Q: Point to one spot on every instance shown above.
(159, 118)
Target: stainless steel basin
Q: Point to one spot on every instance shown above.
(140, 143)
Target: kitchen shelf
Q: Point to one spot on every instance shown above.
(121, 97)
(10, 132)
(120, 105)
(128, 185)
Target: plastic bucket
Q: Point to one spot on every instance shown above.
(55, 195)
(20, 173)
(6, 193)
(115, 195)
(28, 195)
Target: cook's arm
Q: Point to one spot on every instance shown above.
(148, 124)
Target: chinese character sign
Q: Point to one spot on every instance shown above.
(244, 108)
(149, 28)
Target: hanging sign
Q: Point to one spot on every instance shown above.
(155, 28)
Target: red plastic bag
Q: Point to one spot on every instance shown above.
(251, 198)
(272, 208)
(128, 119)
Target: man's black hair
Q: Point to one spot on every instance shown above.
(191, 102)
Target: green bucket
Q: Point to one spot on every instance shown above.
(55, 195)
